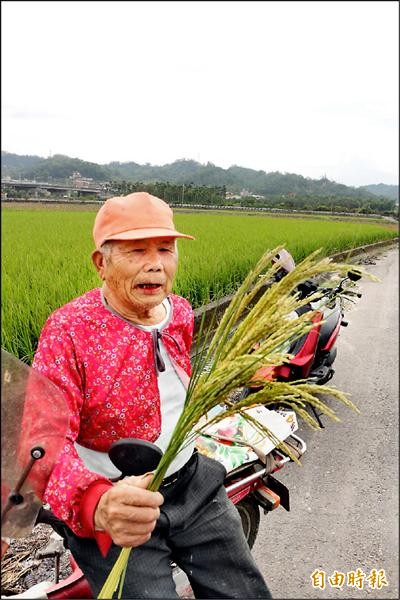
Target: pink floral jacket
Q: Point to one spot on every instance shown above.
(106, 368)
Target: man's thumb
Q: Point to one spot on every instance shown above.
(142, 481)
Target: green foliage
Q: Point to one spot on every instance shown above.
(331, 203)
(172, 193)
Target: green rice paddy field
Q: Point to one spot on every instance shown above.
(46, 258)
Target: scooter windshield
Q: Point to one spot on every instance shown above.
(285, 260)
(34, 423)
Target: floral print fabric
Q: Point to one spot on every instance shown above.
(226, 440)
(105, 367)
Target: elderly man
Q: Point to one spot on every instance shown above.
(120, 354)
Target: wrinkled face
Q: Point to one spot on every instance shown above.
(137, 274)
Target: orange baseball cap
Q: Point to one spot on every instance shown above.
(134, 217)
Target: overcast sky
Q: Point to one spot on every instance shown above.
(301, 87)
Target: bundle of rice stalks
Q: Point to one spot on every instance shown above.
(232, 361)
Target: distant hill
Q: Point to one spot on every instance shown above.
(381, 189)
(236, 179)
(57, 167)
(14, 163)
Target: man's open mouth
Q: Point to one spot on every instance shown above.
(149, 286)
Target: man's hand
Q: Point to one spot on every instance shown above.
(128, 511)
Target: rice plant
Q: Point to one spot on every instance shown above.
(233, 361)
(46, 259)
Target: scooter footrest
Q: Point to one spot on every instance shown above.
(322, 374)
(268, 499)
(279, 489)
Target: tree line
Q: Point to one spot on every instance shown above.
(171, 192)
(216, 196)
(349, 204)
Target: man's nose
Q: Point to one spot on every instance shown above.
(153, 262)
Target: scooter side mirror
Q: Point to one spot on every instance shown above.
(133, 456)
(306, 288)
(354, 275)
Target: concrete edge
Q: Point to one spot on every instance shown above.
(355, 252)
(219, 306)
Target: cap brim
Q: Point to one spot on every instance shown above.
(141, 234)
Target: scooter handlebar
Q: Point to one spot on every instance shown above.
(301, 442)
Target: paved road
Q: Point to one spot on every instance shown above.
(344, 513)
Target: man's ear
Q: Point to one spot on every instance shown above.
(99, 262)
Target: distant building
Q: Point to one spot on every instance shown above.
(79, 181)
(232, 196)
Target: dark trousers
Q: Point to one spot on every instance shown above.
(199, 529)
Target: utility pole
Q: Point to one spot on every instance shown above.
(183, 192)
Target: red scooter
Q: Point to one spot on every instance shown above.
(250, 458)
(315, 352)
